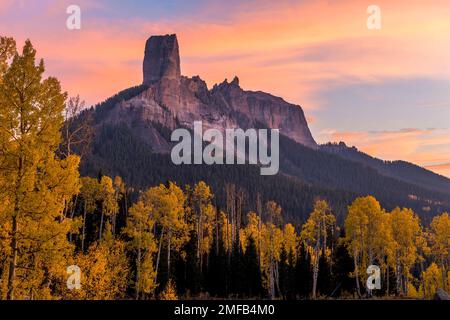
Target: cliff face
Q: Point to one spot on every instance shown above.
(161, 59)
(172, 100)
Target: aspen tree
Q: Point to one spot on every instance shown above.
(168, 210)
(363, 226)
(314, 235)
(107, 196)
(271, 245)
(440, 243)
(204, 219)
(35, 183)
(139, 228)
(405, 231)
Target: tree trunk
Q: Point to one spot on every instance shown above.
(113, 224)
(315, 275)
(13, 261)
(259, 210)
(217, 233)
(398, 277)
(358, 289)
(14, 231)
(84, 229)
(72, 213)
(387, 280)
(444, 276)
(316, 263)
(139, 258)
(101, 227)
(138, 273)
(271, 281)
(168, 255)
(159, 254)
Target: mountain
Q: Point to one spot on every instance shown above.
(174, 101)
(132, 139)
(401, 170)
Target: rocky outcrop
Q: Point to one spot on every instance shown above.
(161, 59)
(172, 100)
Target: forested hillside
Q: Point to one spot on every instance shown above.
(145, 236)
(305, 174)
(400, 170)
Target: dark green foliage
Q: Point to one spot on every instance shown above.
(342, 266)
(253, 285)
(324, 277)
(116, 150)
(329, 170)
(287, 275)
(400, 170)
(303, 280)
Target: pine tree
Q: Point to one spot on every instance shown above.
(302, 272)
(342, 268)
(252, 272)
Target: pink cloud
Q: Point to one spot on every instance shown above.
(293, 50)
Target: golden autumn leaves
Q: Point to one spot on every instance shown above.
(40, 234)
(34, 183)
(396, 242)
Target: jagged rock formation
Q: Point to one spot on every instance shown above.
(172, 100)
(132, 139)
(162, 59)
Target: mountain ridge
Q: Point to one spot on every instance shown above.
(144, 117)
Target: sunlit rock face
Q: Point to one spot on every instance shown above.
(161, 59)
(172, 101)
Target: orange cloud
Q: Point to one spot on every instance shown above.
(291, 49)
(312, 42)
(443, 169)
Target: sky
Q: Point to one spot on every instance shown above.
(385, 91)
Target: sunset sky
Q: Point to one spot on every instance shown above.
(385, 91)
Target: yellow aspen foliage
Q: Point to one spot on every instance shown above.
(35, 183)
(290, 240)
(271, 246)
(413, 292)
(170, 292)
(405, 232)
(167, 205)
(104, 272)
(315, 233)
(204, 218)
(364, 225)
(139, 229)
(440, 243)
(251, 230)
(7, 50)
(243, 239)
(107, 196)
(119, 193)
(225, 227)
(432, 279)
